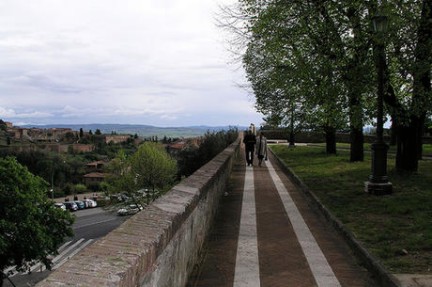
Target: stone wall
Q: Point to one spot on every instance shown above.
(160, 245)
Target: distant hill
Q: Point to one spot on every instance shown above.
(140, 130)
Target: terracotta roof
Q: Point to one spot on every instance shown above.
(95, 174)
(93, 163)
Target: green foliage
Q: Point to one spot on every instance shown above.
(80, 188)
(94, 187)
(212, 143)
(153, 167)
(188, 161)
(215, 142)
(54, 168)
(3, 126)
(292, 64)
(150, 168)
(31, 228)
(317, 60)
(395, 228)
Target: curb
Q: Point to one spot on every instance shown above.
(371, 263)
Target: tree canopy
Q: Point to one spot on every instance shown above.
(150, 168)
(319, 57)
(31, 228)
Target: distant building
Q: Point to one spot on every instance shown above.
(93, 177)
(116, 138)
(96, 166)
(174, 148)
(76, 148)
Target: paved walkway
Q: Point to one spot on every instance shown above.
(266, 235)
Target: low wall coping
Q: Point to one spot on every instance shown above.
(127, 255)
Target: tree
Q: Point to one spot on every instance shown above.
(31, 228)
(407, 76)
(69, 137)
(291, 62)
(320, 53)
(150, 168)
(193, 156)
(153, 168)
(3, 126)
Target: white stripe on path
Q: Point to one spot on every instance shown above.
(318, 264)
(65, 252)
(247, 264)
(73, 253)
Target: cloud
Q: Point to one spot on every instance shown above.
(118, 61)
(9, 113)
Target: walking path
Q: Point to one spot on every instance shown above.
(265, 235)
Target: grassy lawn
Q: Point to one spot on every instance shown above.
(395, 228)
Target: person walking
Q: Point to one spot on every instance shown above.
(252, 128)
(249, 140)
(261, 150)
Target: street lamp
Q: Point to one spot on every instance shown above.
(378, 183)
(380, 24)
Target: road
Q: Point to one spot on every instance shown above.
(90, 224)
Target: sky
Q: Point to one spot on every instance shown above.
(154, 62)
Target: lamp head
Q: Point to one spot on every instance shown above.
(380, 23)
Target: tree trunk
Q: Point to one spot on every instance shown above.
(410, 141)
(422, 72)
(330, 135)
(406, 156)
(393, 133)
(291, 138)
(409, 144)
(356, 128)
(420, 133)
(357, 141)
(409, 134)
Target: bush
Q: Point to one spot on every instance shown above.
(95, 187)
(68, 189)
(80, 188)
(211, 145)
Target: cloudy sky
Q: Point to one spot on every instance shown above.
(155, 62)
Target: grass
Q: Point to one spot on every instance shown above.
(395, 228)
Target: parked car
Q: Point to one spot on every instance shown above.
(60, 205)
(119, 197)
(90, 202)
(70, 205)
(80, 204)
(130, 209)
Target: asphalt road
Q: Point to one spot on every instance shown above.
(90, 224)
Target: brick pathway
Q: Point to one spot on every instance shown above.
(266, 235)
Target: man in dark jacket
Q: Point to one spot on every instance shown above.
(249, 140)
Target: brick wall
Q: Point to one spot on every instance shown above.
(158, 246)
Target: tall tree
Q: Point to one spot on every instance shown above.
(150, 168)
(31, 228)
(320, 52)
(290, 60)
(153, 167)
(407, 76)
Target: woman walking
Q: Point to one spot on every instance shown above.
(261, 148)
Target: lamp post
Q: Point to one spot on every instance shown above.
(378, 183)
(291, 136)
(52, 179)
